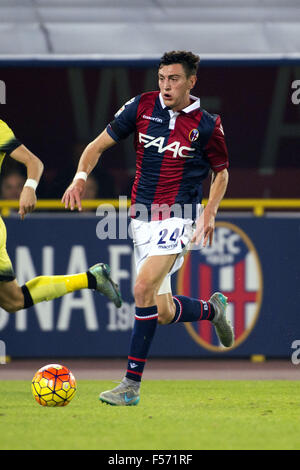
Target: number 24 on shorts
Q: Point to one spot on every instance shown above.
(164, 236)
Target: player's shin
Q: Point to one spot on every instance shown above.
(141, 339)
(189, 310)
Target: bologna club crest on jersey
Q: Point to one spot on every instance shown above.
(231, 266)
(193, 135)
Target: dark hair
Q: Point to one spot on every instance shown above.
(188, 60)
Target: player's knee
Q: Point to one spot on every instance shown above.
(12, 305)
(144, 292)
(165, 316)
(11, 297)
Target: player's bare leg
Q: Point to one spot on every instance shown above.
(11, 296)
(147, 285)
(166, 308)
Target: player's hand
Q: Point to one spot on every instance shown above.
(205, 227)
(27, 201)
(73, 194)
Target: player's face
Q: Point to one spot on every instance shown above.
(175, 86)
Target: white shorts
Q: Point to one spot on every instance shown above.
(161, 237)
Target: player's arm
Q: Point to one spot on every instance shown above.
(217, 155)
(206, 224)
(35, 169)
(87, 162)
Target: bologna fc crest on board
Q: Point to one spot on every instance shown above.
(231, 266)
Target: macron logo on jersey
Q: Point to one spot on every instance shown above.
(151, 118)
(159, 143)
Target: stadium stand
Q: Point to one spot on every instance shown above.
(108, 27)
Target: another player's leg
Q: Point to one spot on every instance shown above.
(104, 284)
(147, 284)
(51, 287)
(45, 288)
(14, 298)
(11, 296)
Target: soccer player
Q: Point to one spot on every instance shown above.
(177, 143)
(14, 297)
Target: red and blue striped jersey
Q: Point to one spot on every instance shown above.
(174, 150)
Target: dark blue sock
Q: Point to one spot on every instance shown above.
(189, 310)
(141, 339)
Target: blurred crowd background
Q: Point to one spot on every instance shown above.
(69, 66)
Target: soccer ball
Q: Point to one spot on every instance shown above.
(53, 385)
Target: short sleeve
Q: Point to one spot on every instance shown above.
(8, 141)
(216, 148)
(124, 122)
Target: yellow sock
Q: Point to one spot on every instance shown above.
(51, 287)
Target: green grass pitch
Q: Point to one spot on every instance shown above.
(172, 415)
